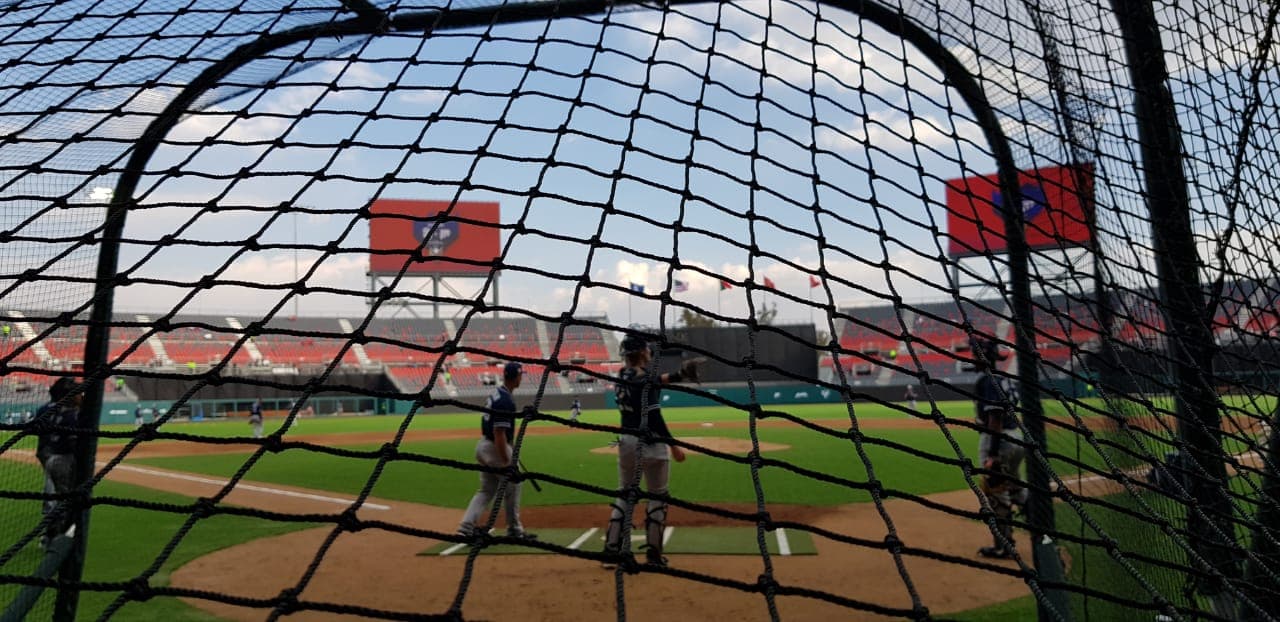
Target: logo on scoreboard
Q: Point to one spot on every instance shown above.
(1033, 201)
(438, 234)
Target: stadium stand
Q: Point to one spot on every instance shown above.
(873, 344)
(303, 341)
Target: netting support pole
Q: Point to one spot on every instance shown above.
(1190, 343)
(1266, 555)
(369, 20)
(107, 280)
(1052, 604)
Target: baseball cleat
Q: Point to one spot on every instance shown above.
(610, 564)
(653, 558)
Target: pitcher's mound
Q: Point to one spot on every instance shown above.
(715, 443)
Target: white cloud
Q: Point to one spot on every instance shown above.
(337, 271)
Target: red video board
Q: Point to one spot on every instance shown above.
(1052, 206)
(467, 231)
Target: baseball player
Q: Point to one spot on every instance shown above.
(255, 418)
(55, 450)
(999, 451)
(639, 402)
(575, 410)
(494, 449)
(910, 396)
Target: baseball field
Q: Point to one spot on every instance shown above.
(277, 528)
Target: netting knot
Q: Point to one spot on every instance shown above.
(137, 589)
(389, 451)
(855, 435)
(893, 544)
(348, 521)
(287, 601)
(203, 507)
(273, 443)
(765, 520)
(766, 584)
(147, 432)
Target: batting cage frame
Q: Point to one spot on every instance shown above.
(1230, 579)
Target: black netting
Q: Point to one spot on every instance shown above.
(803, 194)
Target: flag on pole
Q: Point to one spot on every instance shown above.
(725, 285)
(768, 282)
(680, 286)
(637, 288)
(813, 281)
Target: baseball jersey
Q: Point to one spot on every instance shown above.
(57, 441)
(639, 395)
(504, 416)
(995, 397)
(255, 412)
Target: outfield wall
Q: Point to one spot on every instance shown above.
(601, 397)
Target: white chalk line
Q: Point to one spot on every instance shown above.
(241, 486)
(583, 538)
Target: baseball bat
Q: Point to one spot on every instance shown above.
(536, 486)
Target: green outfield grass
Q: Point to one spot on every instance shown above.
(569, 456)
(700, 478)
(452, 421)
(124, 542)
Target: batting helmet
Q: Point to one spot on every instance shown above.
(62, 387)
(986, 350)
(512, 369)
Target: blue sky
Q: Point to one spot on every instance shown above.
(573, 171)
(887, 133)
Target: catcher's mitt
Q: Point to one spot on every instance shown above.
(691, 369)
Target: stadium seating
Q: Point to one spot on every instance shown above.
(418, 334)
(515, 337)
(881, 343)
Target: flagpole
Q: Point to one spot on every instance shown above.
(811, 303)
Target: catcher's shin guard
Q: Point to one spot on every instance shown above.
(655, 520)
(613, 534)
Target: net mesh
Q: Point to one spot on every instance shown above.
(762, 184)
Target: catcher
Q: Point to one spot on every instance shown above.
(999, 449)
(641, 444)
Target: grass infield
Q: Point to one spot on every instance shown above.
(679, 541)
(124, 543)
